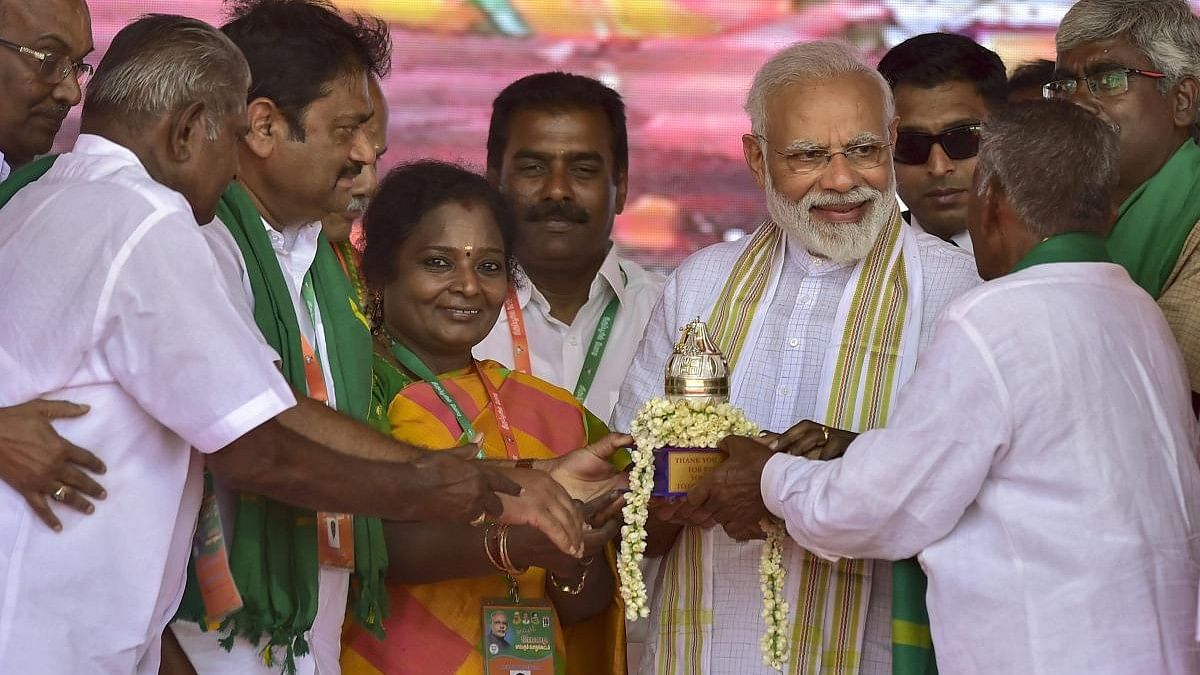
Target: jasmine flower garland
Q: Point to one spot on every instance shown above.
(688, 423)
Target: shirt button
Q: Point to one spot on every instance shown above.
(793, 342)
(805, 299)
(572, 340)
(784, 390)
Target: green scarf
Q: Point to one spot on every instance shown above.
(1155, 221)
(24, 176)
(273, 555)
(1066, 247)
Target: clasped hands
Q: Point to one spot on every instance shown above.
(571, 499)
(731, 495)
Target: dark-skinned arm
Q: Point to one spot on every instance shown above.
(277, 461)
(174, 660)
(324, 425)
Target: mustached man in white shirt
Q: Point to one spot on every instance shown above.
(114, 298)
(558, 149)
(1053, 505)
(42, 45)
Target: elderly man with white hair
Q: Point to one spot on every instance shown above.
(821, 313)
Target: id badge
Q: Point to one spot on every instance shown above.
(518, 639)
(211, 560)
(335, 540)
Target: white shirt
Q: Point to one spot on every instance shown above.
(4, 168)
(961, 240)
(781, 385)
(1054, 505)
(112, 299)
(558, 350)
(295, 249)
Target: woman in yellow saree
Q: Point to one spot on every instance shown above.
(437, 262)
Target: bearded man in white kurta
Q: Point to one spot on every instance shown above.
(1054, 506)
(831, 275)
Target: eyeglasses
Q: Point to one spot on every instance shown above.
(1108, 83)
(961, 142)
(54, 68)
(860, 156)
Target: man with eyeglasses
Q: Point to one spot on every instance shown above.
(1136, 65)
(944, 86)
(832, 283)
(42, 45)
(1056, 541)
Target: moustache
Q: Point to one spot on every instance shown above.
(358, 204)
(351, 170)
(564, 211)
(861, 193)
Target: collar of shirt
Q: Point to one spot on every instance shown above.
(609, 276)
(4, 170)
(91, 144)
(295, 246)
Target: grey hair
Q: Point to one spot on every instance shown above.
(1057, 163)
(807, 62)
(162, 63)
(1165, 31)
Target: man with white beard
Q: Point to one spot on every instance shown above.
(821, 315)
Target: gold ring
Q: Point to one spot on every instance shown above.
(825, 430)
(60, 495)
(479, 520)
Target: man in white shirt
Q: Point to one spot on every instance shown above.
(113, 298)
(558, 148)
(41, 47)
(1054, 506)
(944, 85)
(821, 122)
(305, 146)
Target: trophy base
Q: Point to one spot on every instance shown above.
(678, 470)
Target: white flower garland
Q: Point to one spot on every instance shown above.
(692, 424)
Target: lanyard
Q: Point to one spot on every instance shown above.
(314, 377)
(414, 364)
(595, 351)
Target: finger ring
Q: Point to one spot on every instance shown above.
(825, 430)
(60, 495)
(479, 520)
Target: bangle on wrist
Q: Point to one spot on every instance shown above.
(569, 589)
(505, 561)
(524, 464)
(491, 546)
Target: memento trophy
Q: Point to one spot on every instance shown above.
(696, 373)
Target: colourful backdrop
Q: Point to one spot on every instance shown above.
(683, 67)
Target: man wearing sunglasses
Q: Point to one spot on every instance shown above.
(944, 85)
(1136, 65)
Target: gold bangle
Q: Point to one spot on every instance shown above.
(569, 590)
(488, 537)
(504, 559)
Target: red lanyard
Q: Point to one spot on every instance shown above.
(506, 432)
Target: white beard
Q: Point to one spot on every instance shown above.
(838, 242)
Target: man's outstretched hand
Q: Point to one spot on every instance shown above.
(38, 463)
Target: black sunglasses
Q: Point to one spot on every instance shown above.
(961, 142)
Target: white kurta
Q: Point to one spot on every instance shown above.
(1053, 499)
(112, 298)
(784, 371)
(295, 249)
(558, 350)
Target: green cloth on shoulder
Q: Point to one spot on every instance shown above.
(273, 554)
(1153, 224)
(24, 176)
(1066, 247)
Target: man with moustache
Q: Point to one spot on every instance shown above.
(42, 46)
(944, 85)
(1059, 496)
(305, 146)
(832, 281)
(558, 149)
(1137, 66)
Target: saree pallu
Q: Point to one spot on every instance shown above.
(437, 627)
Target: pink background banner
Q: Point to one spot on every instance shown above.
(683, 67)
